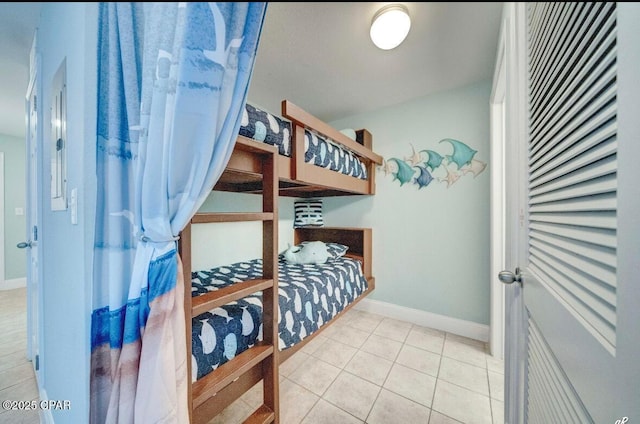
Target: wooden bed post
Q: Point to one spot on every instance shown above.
(184, 250)
(270, 295)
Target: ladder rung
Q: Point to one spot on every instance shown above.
(209, 217)
(262, 415)
(213, 299)
(225, 374)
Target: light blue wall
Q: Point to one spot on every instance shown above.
(431, 245)
(68, 30)
(14, 197)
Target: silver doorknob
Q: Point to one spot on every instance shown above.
(508, 277)
(24, 245)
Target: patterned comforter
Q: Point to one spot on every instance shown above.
(270, 129)
(309, 296)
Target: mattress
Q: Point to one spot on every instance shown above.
(309, 297)
(276, 131)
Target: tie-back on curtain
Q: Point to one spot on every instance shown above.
(172, 83)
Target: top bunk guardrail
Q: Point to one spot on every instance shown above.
(299, 177)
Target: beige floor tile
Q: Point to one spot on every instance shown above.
(351, 336)
(382, 346)
(25, 390)
(315, 376)
(420, 360)
(365, 322)
(13, 360)
(295, 402)
(438, 418)
(15, 375)
(352, 394)
(497, 410)
(235, 413)
(495, 365)
(335, 353)
(325, 413)
(411, 384)
(461, 404)
(314, 344)
(464, 375)
(393, 329)
(392, 408)
(471, 354)
(467, 340)
(255, 396)
(496, 386)
(291, 364)
(20, 417)
(370, 367)
(425, 340)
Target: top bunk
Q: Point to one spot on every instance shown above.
(314, 159)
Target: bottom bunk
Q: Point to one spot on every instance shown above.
(310, 297)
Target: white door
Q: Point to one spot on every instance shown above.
(31, 243)
(574, 347)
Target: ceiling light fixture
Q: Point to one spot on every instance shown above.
(390, 26)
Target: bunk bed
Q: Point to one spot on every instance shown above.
(265, 310)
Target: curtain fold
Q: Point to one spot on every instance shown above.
(172, 82)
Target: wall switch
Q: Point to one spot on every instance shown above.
(73, 205)
(19, 211)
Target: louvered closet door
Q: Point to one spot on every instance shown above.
(580, 250)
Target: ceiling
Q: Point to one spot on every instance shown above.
(317, 55)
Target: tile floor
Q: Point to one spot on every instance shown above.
(17, 379)
(364, 368)
(368, 368)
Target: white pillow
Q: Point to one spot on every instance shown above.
(314, 252)
(349, 132)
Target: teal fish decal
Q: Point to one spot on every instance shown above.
(424, 178)
(435, 159)
(404, 173)
(462, 154)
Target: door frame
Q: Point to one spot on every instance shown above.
(35, 305)
(510, 207)
(2, 235)
(497, 198)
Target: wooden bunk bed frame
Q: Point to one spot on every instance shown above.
(257, 168)
(296, 177)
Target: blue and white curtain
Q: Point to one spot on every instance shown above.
(172, 84)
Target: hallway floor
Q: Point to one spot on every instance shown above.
(17, 379)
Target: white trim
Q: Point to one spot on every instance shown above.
(1, 218)
(14, 283)
(45, 414)
(497, 195)
(460, 327)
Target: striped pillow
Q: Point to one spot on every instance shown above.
(308, 213)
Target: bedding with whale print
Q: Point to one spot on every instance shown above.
(310, 295)
(276, 131)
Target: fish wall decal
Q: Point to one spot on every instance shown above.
(421, 167)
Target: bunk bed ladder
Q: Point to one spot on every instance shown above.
(262, 359)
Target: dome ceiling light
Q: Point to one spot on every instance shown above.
(390, 26)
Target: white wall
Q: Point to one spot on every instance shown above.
(69, 30)
(218, 244)
(431, 245)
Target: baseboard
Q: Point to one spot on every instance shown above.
(45, 413)
(15, 283)
(457, 326)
